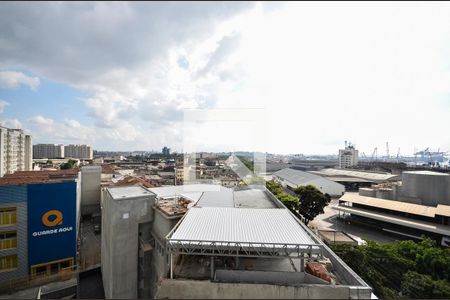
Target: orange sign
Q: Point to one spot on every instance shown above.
(52, 218)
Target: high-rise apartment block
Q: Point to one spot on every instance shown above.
(79, 151)
(348, 157)
(48, 151)
(16, 151)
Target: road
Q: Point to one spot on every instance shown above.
(329, 220)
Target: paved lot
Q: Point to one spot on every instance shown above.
(329, 220)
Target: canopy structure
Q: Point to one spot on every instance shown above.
(223, 231)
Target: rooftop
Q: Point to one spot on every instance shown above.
(411, 208)
(120, 193)
(30, 177)
(376, 177)
(426, 173)
(227, 226)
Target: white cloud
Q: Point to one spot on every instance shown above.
(14, 79)
(11, 123)
(3, 105)
(41, 121)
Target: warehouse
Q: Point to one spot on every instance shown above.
(417, 206)
(292, 179)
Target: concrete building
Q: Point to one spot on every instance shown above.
(208, 241)
(126, 224)
(419, 205)
(79, 151)
(39, 225)
(15, 151)
(348, 156)
(179, 175)
(48, 151)
(291, 179)
(90, 189)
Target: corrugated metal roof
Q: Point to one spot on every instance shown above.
(443, 210)
(241, 225)
(376, 177)
(297, 178)
(405, 207)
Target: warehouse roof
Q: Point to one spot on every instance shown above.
(426, 173)
(405, 207)
(375, 177)
(241, 225)
(422, 225)
(443, 210)
(298, 177)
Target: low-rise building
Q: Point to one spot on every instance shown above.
(39, 214)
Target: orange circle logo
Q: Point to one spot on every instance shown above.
(52, 218)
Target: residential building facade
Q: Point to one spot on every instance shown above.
(15, 151)
(79, 151)
(348, 157)
(48, 151)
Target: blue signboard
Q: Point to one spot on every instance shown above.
(52, 211)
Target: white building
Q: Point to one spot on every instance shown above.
(348, 157)
(79, 151)
(48, 151)
(16, 151)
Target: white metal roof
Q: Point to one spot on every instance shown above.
(222, 198)
(244, 225)
(443, 210)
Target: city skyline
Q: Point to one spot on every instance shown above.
(319, 79)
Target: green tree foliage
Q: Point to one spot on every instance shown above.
(312, 201)
(407, 268)
(415, 285)
(69, 164)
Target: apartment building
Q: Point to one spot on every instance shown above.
(48, 151)
(16, 151)
(79, 151)
(348, 157)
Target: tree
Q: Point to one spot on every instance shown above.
(415, 285)
(312, 201)
(70, 164)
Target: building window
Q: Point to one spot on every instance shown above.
(8, 216)
(8, 262)
(53, 267)
(8, 240)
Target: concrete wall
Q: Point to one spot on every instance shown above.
(267, 277)
(120, 242)
(90, 189)
(431, 188)
(196, 289)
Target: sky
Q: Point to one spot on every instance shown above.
(273, 77)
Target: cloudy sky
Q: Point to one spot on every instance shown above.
(282, 78)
